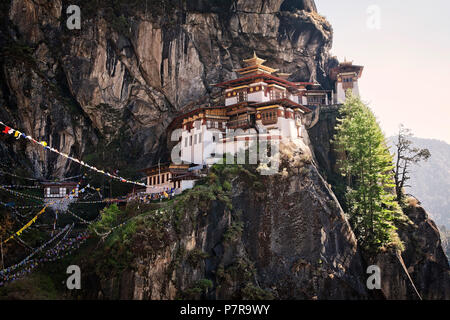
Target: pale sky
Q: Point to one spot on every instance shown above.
(406, 61)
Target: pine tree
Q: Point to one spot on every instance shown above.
(367, 165)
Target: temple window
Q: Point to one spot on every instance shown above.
(54, 190)
(199, 138)
(269, 117)
(162, 178)
(190, 140)
(185, 142)
(347, 83)
(242, 96)
(276, 94)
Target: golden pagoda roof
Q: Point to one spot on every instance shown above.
(255, 60)
(255, 65)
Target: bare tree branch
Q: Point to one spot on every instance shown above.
(407, 155)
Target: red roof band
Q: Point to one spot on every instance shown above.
(296, 85)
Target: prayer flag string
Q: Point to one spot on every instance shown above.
(18, 135)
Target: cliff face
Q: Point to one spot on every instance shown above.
(118, 82)
(283, 236)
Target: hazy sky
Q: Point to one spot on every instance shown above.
(406, 60)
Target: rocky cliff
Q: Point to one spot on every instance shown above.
(115, 84)
(240, 235)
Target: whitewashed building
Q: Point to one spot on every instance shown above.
(345, 77)
(58, 190)
(59, 195)
(260, 105)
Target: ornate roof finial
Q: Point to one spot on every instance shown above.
(346, 62)
(254, 61)
(254, 65)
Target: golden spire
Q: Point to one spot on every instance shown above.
(255, 66)
(254, 61)
(347, 63)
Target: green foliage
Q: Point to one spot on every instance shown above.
(110, 217)
(215, 187)
(197, 289)
(195, 256)
(226, 186)
(233, 232)
(445, 239)
(36, 286)
(176, 261)
(153, 227)
(367, 165)
(116, 255)
(407, 155)
(430, 181)
(112, 155)
(251, 292)
(120, 24)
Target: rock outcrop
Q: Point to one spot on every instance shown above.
(422, 269)
(283, 236)
(424, 256)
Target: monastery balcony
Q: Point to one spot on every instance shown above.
(317, 104)
(221, 129)
(269, 121)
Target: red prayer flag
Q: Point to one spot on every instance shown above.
(6, 129)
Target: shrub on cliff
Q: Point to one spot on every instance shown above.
(109, 218)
